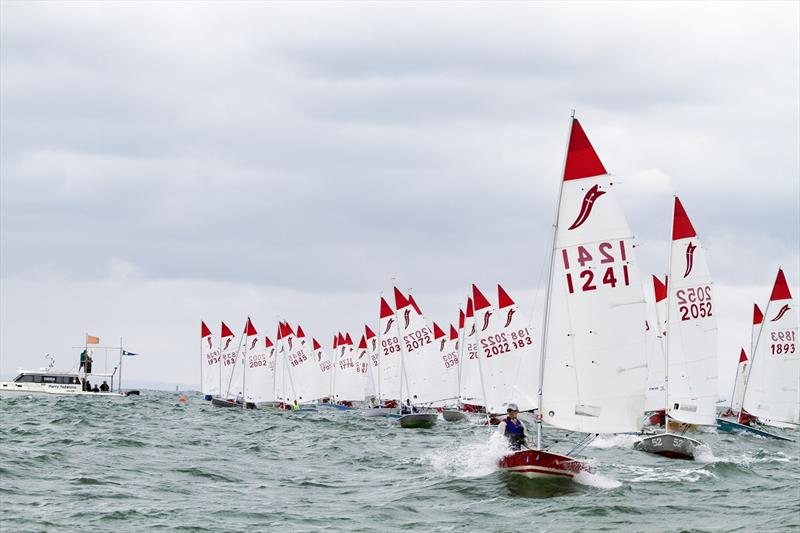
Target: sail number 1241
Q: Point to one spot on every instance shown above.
(611, 254)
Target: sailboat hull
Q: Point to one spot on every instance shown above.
(374, 412)
(669, 445)
(453, 415)
(729, 426)
(418, 421)
(220, 402)
(542, 464)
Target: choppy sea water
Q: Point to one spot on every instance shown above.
(148, 464)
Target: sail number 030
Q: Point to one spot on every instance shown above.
(608, 254)
(694, 302)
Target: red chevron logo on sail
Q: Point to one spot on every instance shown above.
(588, 204)
(689, 258)
(781, 313)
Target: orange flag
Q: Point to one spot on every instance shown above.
(91, 339)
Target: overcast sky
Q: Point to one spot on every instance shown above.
(163, 163)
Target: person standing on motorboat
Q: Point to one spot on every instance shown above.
(89, 361)
(84, 357)
(512, 428)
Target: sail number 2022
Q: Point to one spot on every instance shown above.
(588, 279)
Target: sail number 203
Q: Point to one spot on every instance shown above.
(603, 264)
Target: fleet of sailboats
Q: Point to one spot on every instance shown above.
(602, 358)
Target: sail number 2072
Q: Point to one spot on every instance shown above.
(603, 264)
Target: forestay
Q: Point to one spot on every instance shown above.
(509, 362)
(691, 328)
(595, 366)
(773, 391)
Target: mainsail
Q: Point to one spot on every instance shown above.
(740, 382)
(691, 340)
(229, 349)
(773, 387)
(257, 387)
(348, 382)
(305, 370)
(594, 350)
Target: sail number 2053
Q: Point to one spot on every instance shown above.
(694, 302)
(605, 253)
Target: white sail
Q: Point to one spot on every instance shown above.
(655, 331)
(773, 387)
(446, 347)
(258, 376)
(210, 360)
(373, 355)
(325, 366)
(271, 352)
(471, 389)
(230, 379)
(363, 367)
(390, 355)
(595, 362)
(348, 382)
(306, 374)
(691, 328)
(416, 343)
(284, 387)
(740, 382)
(509, 362)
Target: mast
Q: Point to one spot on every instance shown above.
(380, 354)
(548, 287)
(201, 362)
(666, 326)
(462, 339)
(119, 379)
(219, 366)
(755, 345)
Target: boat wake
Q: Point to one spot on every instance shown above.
(596, 480)
(614, 441)
(469, 460)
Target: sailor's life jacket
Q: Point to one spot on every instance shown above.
(515, 433)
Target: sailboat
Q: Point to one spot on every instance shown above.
(229, 351)
(419, 363)
(348, 381)
(456, 414)
(471, 388)
(593, 362)
(209, 363)
(690, 344)
(773, 388)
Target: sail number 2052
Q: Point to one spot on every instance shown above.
(694, 302)
(603, 264)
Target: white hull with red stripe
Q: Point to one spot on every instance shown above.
(542, 464)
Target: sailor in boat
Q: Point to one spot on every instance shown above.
(512, 428)
(407, 408)
(104, 387)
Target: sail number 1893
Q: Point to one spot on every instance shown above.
(591, 277)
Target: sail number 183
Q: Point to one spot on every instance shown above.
(612, 271)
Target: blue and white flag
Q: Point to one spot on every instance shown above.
(125, 352)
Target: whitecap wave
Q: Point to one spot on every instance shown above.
(596, 480)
